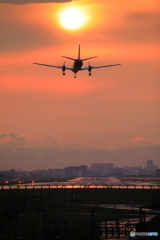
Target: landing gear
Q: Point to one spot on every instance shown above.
(63, 73)
(90, 74)
(75, 75)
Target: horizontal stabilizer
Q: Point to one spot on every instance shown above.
(69, 58)
(88, 58)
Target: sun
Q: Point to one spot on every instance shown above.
(72, 18)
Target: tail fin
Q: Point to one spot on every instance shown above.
(79, 50)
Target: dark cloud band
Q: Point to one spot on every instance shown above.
(21, 2)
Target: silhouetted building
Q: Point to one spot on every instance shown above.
(75, 171)
(150, 164)
(101, 168)
(58, 173)
(84, 170)
(72, 171)
(157, 172)
(151, 167)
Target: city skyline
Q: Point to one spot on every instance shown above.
(101, 170)
(111, 116)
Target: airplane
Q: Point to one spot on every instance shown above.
(77, 66)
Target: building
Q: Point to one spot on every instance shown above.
(84, 170)
(59, 173)
(75, 171)
(101, 169)
(157, 172)
(72, 171)
(150, 165)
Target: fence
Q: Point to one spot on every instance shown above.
(34, 219)
(129, 194)
(43, 212)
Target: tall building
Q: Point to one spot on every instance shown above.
(84, 170)
(150, 165)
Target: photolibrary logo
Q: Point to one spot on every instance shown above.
(142, 234)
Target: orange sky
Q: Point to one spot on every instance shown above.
(115, 111)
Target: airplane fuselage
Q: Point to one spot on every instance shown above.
(78, 63)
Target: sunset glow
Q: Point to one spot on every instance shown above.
(72, 18)
(51, 118)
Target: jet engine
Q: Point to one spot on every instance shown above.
(63, 69)
(89, 70)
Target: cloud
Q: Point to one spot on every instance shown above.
(13, 135)
(50, 141)
(3, 135)
(21, 2)
(15, 140)
(23, 151)
(11, 140)
(112, 141)
(17, 151)
(144, 141)
(34, 158)
(143, 16)
(19, 35)
(138, 27)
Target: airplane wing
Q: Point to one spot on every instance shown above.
(100, 67)
(61, 67)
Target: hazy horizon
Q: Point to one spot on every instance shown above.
(26, 154)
